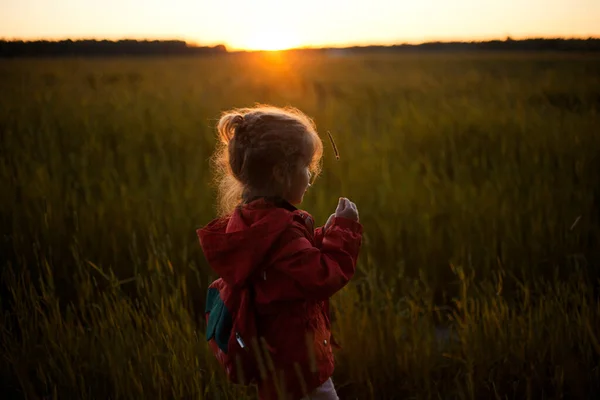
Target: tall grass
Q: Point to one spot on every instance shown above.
(476, 177)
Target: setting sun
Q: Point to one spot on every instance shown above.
(271, 40)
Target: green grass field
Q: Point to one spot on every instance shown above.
(477, 178)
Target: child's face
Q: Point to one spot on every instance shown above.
(299, 183)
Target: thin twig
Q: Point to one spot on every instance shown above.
(335, 150)
(575, 223)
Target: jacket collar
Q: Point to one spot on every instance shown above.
(275, 200)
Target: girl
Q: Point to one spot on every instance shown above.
(264, 165)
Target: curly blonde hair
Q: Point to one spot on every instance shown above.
(253, 142)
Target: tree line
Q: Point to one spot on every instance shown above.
(45, 48)
(508, 45)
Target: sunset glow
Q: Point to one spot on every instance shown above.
(276, 25)
(271, 39)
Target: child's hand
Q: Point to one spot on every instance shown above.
(346, 209)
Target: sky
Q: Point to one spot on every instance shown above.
(277, 24)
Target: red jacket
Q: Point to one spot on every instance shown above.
(295, 270)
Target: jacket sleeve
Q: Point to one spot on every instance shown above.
(319, 234)
(319, 272)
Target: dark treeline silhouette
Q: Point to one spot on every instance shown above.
(177, 47)
(44, 48)
(508, 45)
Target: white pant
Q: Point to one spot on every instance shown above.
(324, 392)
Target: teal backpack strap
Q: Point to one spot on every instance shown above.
(219, 322)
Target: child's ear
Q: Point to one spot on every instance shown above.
(281, 177)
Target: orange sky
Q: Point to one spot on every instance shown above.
(270, 24)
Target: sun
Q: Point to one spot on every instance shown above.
(271, 40)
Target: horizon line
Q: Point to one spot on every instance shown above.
(195, 43)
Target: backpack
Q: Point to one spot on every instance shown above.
(232, 333)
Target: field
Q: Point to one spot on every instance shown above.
(477, 178)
